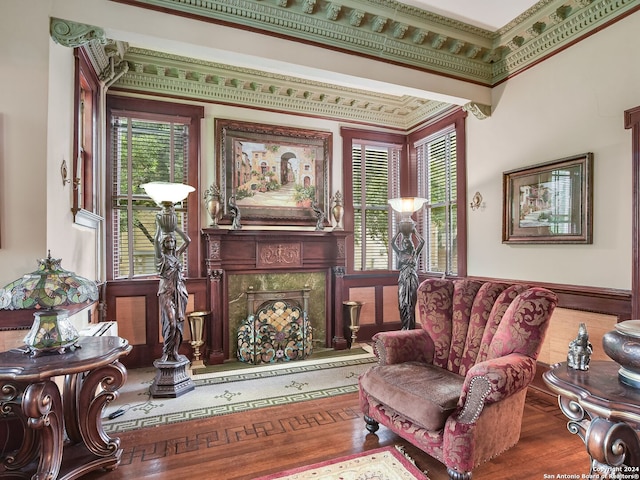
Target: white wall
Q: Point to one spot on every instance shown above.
(75, 245)
(570, 104)
(24, 56)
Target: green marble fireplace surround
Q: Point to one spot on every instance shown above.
(273, 260)
(239, 284)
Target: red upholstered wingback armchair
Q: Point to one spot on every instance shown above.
(455, 386)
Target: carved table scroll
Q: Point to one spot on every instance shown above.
(604, 413)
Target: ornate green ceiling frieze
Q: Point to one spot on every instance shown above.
(552, 28)
(156, 72)
(406, 35)
(383, 29)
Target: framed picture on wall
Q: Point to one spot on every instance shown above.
(276, 175)
(549, 202)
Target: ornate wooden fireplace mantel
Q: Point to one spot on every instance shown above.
(247, 252)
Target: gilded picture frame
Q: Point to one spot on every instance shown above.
(276, 175)
(550, 202)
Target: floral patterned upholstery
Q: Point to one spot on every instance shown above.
(455, 386)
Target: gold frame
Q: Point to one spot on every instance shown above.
(230, 134)
(549, 202)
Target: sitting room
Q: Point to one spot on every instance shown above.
(398, 238)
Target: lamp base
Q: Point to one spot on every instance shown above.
(172, 379)
(51, 332)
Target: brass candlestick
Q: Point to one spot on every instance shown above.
(196, 327)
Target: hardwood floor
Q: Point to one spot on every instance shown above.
(243, 446)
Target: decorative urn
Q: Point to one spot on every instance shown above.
(622, 345)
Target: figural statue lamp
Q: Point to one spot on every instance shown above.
(408, 253)
(49, 289)
(171, 378)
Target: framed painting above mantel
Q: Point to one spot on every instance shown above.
(549, 202)
(277, 175)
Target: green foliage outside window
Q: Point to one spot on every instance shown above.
(144, 151)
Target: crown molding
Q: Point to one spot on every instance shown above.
(158, 73)
(142, 71)
(405, 35)
(105, 55)
(383, 29)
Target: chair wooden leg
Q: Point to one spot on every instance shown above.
(456, 475)
(372, 425)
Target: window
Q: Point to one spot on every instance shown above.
(370, 180)
(146, 146)
(85, 160)
(439, 181)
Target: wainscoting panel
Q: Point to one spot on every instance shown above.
(130, 312)
(390, 308)
(564, 328)
(366, 296)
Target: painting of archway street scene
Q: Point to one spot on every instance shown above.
(276, 175)
(550, 202)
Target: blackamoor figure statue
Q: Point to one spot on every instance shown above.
(172, 291)
(408, 255)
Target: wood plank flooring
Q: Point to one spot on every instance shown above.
(243, 446)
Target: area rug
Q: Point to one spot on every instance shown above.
(234, 390)
(388, 463)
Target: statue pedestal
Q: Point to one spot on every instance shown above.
(172, 379)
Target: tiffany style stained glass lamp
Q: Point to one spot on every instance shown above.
(48, 289)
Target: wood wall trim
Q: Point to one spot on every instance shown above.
(632, 121)
(609, 301)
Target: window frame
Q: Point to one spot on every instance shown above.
(349, 136)
(153, 107)
(456, 121)
(86, 158)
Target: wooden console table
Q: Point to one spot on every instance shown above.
(604, 413)
(92, 376)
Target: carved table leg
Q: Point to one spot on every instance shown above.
(609, 444)
(91, 403)
(42, 406)
(612, 444)
(11, 406)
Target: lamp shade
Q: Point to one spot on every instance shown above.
(407, 204)
(162, 192)
(48, 287)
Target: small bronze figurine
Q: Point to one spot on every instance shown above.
(580, 350)
(319, 216)
(235, 214)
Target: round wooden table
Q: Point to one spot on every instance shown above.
(92, 376)
(603, 412)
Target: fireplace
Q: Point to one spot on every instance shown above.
(263, 260)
